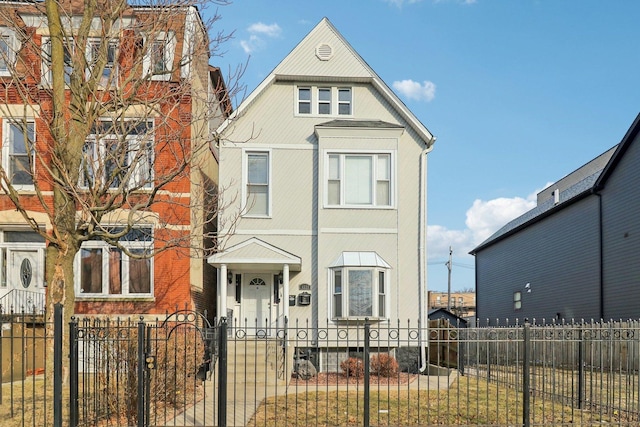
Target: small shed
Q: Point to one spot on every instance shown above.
(443, 313)
(444, 346)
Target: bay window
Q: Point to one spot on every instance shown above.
(359, 179)
(359, 286)
(106, 270)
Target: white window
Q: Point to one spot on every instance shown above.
(109, 73)
(106, 270)
(324, 101)
(69, 48)
(159, 56)
(119, 154)
(18, 152)
(8, 48)
(359, 179)
(304, 100)
(257, 183)
(359, 286)
(344, 101)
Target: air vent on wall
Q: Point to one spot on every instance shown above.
(324, 52)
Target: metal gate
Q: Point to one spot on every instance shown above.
(139, 373)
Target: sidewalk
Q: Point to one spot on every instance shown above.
(243, 399)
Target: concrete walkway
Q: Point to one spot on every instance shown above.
(244, 398)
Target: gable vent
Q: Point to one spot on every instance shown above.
(324, 52)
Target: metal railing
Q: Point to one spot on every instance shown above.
(182, 371)
(17, 301)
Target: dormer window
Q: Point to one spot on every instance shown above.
(324, 101)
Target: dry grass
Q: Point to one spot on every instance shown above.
(470, 401)
(28, 403)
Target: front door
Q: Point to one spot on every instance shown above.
(25, 274)
(257, 299)
(24, 270)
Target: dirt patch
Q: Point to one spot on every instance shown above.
(334, 378)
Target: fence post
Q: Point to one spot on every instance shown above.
(141, 374)
(526, 374)
(222, 373)
(367, 330)
(149, 363)
(73, 372)
(580, 368)
(57, 365)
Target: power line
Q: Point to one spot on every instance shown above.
(469, 266)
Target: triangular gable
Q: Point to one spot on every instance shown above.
(324, 41)
(345, 64)
(254, 251)
(627, 140)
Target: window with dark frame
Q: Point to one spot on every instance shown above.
(517, 300)
(106, 270)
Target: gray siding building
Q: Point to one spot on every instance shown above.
(576, 255)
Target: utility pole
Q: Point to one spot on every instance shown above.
(449, 281)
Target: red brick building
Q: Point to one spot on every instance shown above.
(147, 175)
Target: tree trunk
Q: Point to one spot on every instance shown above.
(59, 274)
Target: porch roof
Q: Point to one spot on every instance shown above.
(255, 253)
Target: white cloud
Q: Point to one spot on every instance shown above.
(483, 219)
(424, 91)
(257, 33)
(440, 238)
(272, 30)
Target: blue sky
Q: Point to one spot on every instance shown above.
(519, 92)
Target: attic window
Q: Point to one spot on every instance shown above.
(324, 52)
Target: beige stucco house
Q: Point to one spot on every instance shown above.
(323, 213)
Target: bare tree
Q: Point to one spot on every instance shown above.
(108, 108)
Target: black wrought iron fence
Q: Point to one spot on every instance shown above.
(182, 371)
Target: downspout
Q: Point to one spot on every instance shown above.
(601, 254)
(422, 252)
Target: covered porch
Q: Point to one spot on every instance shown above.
(254, 282)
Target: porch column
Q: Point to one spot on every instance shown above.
(222, 294)
(285, 289)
